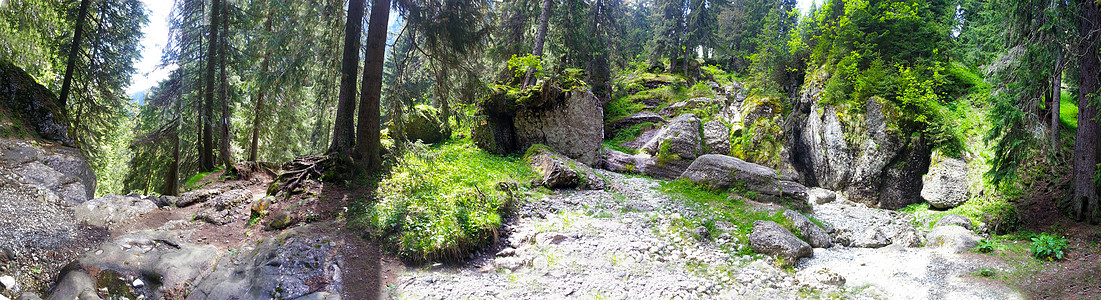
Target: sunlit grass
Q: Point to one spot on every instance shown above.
(440, 203)
(716, 206)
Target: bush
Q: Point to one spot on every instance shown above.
(1047, 246)
(985, 246)
(440, 203)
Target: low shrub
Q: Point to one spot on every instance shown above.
(1048, 246)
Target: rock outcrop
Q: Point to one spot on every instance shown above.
(946, 184)
(560, 172)
(725, 172)
(627, 122)
(616, 161)
(952, 238)
(32, 106)
(812, 233)
(772, 239)
(568, 120)
(717, 137)
(681, 137)
(423, 123)
(113, 209)
(956, 220)
(864, 155)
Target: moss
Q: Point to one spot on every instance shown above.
(665, 154)
(535, 150)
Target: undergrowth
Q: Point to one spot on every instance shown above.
(441, 202)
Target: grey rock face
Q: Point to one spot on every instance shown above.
(495, 135)
(821, 196)
(616, 161)
(150, 256)
(62, 170)
(225, 207)
(772, 239)
(32, 217)
(36, 106)
(863, 227)
(682, 136)
(562, 172)
(725, 172)
(862, 155)
(812, 234)
(956, 220)
(292, 265)
(952, 238)
(112, 210)
(946, 184)
(197, 196)
(632, 120)
(717, 137)
(574, 127)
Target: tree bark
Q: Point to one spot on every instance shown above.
(259, 108)
(540, 39)
(224, 151)
(206, 160)
(1056, 93)
(344, 129)
(370, 127)
(442, 95)
(1084, 204)
(74, 50)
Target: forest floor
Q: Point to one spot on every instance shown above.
(629, 241)
(1077, 276)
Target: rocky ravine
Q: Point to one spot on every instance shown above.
(624, 242)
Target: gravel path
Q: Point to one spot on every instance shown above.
(624, 243)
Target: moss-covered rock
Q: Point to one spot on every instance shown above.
(32, 105)
(423, 123)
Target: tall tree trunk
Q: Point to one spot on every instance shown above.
(369, 129)
(344, 130)
(442, 96)
(1084, 203)
(540, 39)
(74, 50)
(223, 150)
(259, 108)
(206, 160)
(1056, 93)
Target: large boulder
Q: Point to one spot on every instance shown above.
(620, 162)
(681, 138)
(296, 264)
(570, 122)
(60, 169)
(812, 233)
(951, 238)
(772, 239)
(32, 105)
(643, 117)
(946, 184)
(956, 220)
(163, 266)
(112, 210)
(423, 123)
(717, 137)
(225, 207)
(864, 154)
(495, 135)
(725, 172)
(560, 172)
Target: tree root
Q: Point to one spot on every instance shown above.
(297, 172)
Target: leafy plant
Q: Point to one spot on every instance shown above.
(1047, 246)
(520, 65)
(985, 246)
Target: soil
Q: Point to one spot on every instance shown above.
(1078, 275)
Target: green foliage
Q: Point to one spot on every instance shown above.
(521, 65)
(627, 135)
(441, 202)
(1047, 246)
(718, 206)
(621, 107)
(997, 211)
(665, 155)
(985, 246)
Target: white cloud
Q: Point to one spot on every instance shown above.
(153, 43)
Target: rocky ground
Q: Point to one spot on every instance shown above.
(622, 243)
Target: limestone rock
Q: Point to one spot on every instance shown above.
(681, 137)
(225, 207)
(952, 238)
(43, 222)
(946, 184)
(812, 233)
(616, 161)
(772, 239)
(627, 122)
(956, 220)
(561, 172)
(574, 126)
(7, 282)
(197, 196)
(113, 209)
(717, 137)
(725, 172)
(820, 195)
(859, 226)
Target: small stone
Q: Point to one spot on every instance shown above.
(507, 252)
(8, 282)
(138, 283)
(4, 298)
(548, 238)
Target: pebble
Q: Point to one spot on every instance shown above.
(4, 298)
(8, 282)
(138, 283)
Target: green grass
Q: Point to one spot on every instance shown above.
(989, 209)
(442, 202)
(1068, 111)
(627, 135)
(714, 206)
(193, 181)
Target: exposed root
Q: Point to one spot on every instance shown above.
(297, 172)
